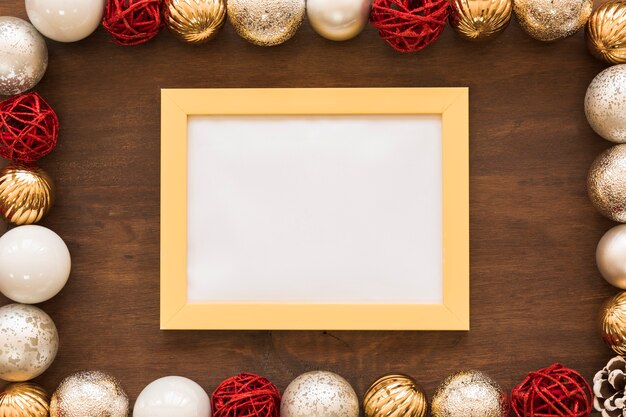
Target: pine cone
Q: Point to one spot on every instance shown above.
(609, 388)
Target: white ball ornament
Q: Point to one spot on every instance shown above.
(605, 104)
(172, 396)
(319, 394)
(34, 264)
(611, 256)
(65, 20)
(338, 20)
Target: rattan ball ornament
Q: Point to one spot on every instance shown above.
(606, 183)
(266, 22)
(246, 395)
(26, 193)
(606, 32)
(480, 19)
(605, 104)
(550, 20)
(133, 22)
(195, 21)
(395, 395)
(612, 323)
(24, 399)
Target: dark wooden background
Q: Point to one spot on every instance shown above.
(534, 284)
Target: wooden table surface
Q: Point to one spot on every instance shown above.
(534, 285)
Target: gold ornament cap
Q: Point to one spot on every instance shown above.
(549, 20)
(480, 19)
(606, 32)
(24, 399)
(195, 21)
(26, 193)
(395, 395)
(612, 322)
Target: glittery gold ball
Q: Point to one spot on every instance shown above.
(395, 395)
(480, 19)
(195, 21)
(612, 322)
(606, 183)
(23, 399)
(89, 394)
(266, 22)
(549, 20)
(469, 394)
(606, 32)
(26, 194)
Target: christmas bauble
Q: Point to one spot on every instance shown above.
(195, 21)
(246, 395)
(172, 396)
(319, 394)
(266, 22)
(606, 183)
(89, 394)
(549, 20)
(29, 342)
(34, 264)
(133, 22)
(613, 323)
(469, 394)
(338, 20)
(611, 256)
(26, 193)
(395, 395)
(23, 54)
(65, 20)
(605, 104)
(606, 32)
(480, 19)
(24, 399)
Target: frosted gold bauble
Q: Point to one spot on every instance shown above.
(606, 183)
(612, 323)
(606, 32)
(26, 194)
(395, 395)
(549, 20)
(24, 399)
(319, 394)
(605, 104)
(195, 21)
(480, 19)
(266, 22)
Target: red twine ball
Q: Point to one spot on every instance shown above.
(246, 395)
(550, 392)
(133, 22)
(29, 128)
(409, 25)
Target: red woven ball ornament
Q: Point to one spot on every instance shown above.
(29, 128)
(246, 395)
(409, 25)
(551, 392)
(133, 22)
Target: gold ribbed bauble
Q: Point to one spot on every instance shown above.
(24, 399)
(195, 21)
(266, 22)
(606, 32)
(395, 395)
(469, 394)
(26, 193)
(549, 20)
(480, 19)
(606, 183)
(612, 323)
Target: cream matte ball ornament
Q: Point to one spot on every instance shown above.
(611, 256)
(319, 394)
(606, 183)
(605, 104)
(266, 22)
(549, 20)
(65, 20)
(172, 396)
(34, 264)
(29, 342)
(23, 56)
(338, 20)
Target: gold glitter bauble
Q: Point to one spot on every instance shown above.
(89, 394)
(266, 22)
(480, 19)
(469, 394)
(549, 20)
(606, 183)
(613, 323)
(26, 194)
(195, 21)
(606, 32)
(24, 399)
(395, 395)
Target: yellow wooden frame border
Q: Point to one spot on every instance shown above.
(450, 103)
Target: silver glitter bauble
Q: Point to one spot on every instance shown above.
(319, 394)
(606, 183)
(28, 342)
(338, 20)
(23, 56)
(266, 22)
(89, 394)
(605, 104)
(549, 20)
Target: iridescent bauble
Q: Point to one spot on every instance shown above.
(65, 20)
(172, 396)
(338, 20)
(611, 256)
(319, 394)
(266, 22)
(549, 20)
(26, 193)
(606, 32)
(605, 104)
(469, 394)
(395, 395)
(24, 399)
(23, 54)
(29, 342)
(89, 394)
(480, 19)
(612, 322)
(195, 21)
(606, 183)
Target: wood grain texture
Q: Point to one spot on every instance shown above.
(535, 288)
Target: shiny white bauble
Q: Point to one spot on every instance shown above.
(611, 256)
(65, 20)
(172, 396)
(338, 20)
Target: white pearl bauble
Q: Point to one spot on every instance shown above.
(338, 20)
(65, 20)
(34, 264)
(319, 394)
(605, 104)
(29, 342)
(172, 396)
(611, 256)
